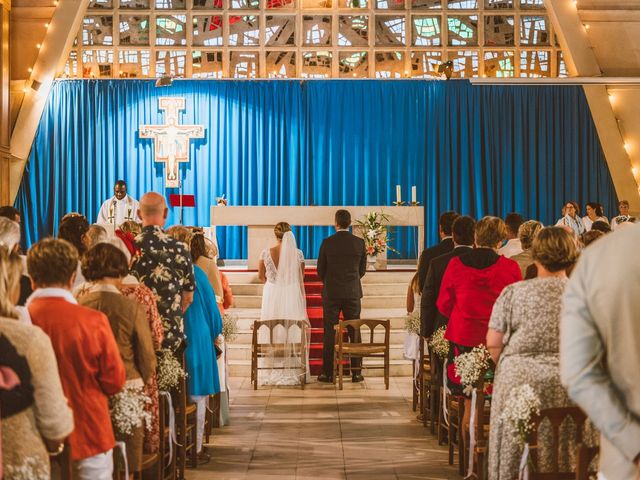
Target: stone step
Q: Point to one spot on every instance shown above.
(369, 289)
(243, 351)
(397, 368)
(379, 301)
(382, 276)
(244, 337)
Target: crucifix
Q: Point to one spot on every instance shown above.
(171, 140)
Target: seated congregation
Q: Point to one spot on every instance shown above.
(111, 345)
(517, 377)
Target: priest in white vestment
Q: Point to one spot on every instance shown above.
(119, 208)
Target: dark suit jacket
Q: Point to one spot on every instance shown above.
(430, 317)
(428, 254)
(342, 261)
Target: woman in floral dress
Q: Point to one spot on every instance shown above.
(523, 340)
(133, 289)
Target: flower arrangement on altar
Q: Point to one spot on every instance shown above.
(128, 410)
(471, 366)
(375, 232)
(170, 372)
(229, 327)
(439, 344)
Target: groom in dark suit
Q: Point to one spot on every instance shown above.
(342, 262)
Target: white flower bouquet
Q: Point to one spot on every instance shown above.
(412, 322)
(128, 410)
(439, 345)
(170, 372)
(229, 327)
(471, 366)
(519, 410)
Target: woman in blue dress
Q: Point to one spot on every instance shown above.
(202, 326)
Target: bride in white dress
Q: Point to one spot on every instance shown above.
(281, 268)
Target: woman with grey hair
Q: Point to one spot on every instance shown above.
(527, 232)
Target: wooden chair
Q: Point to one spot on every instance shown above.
(152, 466)
(442, 429)
(481, 432)
(430, 384)
(362, 349)
(186, 432)
(584, 458)
(455, 434)
(63, 462)
(213, 416)
(168, 450)
(556, 418)
(421, 366)
(278, 350)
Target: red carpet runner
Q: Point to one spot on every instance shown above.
(313, 289)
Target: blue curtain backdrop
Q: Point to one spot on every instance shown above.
(477, 149)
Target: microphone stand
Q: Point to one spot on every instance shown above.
(180, 189)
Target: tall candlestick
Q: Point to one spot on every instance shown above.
(398, 194)
(413, 194)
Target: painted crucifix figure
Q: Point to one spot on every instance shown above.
(171, 140)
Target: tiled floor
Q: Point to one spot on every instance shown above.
(362, 432)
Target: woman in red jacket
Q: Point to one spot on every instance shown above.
(470, 286)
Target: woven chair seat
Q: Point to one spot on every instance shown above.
(364, 349)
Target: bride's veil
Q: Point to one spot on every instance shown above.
(288, 303)
(289, 281)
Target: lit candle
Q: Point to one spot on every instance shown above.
(398, 194)
(413, 194)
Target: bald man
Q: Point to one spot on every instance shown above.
(164, 265)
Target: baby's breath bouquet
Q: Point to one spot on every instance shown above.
(522, 405)
(229, 327)
(170, 372)
(128, 410)
(439, 345)
(412, 322)
(471, 366)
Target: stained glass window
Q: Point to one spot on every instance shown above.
(314, 39)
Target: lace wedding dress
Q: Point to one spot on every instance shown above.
(283, 298)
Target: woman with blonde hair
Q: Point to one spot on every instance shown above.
(10, 238)
(281, 269)
(35, 416)
(523, 339)
(526, 233)
(200, 253)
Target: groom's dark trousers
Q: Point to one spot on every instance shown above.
(342, 261)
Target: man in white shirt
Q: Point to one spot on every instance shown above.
(599, 354)
(623, 209)
(119, 208)
(513, 245)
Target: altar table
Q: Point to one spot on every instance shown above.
(261, 220)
